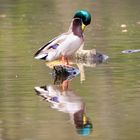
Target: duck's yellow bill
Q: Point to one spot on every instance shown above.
(83, 27)
(84, 119)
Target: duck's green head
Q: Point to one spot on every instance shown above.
(85, 16)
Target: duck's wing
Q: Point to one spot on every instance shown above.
(45, 93)
(50, 46)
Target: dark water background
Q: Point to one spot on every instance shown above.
(111, 90)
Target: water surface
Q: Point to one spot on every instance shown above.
(110, 91)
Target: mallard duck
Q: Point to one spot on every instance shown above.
(67, 43)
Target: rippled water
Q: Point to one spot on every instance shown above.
(110, 91)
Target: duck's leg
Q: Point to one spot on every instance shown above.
(65, 85)
(65, 61)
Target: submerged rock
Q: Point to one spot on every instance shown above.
(91, 56)
(130, 51)
(61, 73)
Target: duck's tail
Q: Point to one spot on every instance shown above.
(41, 56)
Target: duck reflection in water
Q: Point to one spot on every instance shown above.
(65, 100)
